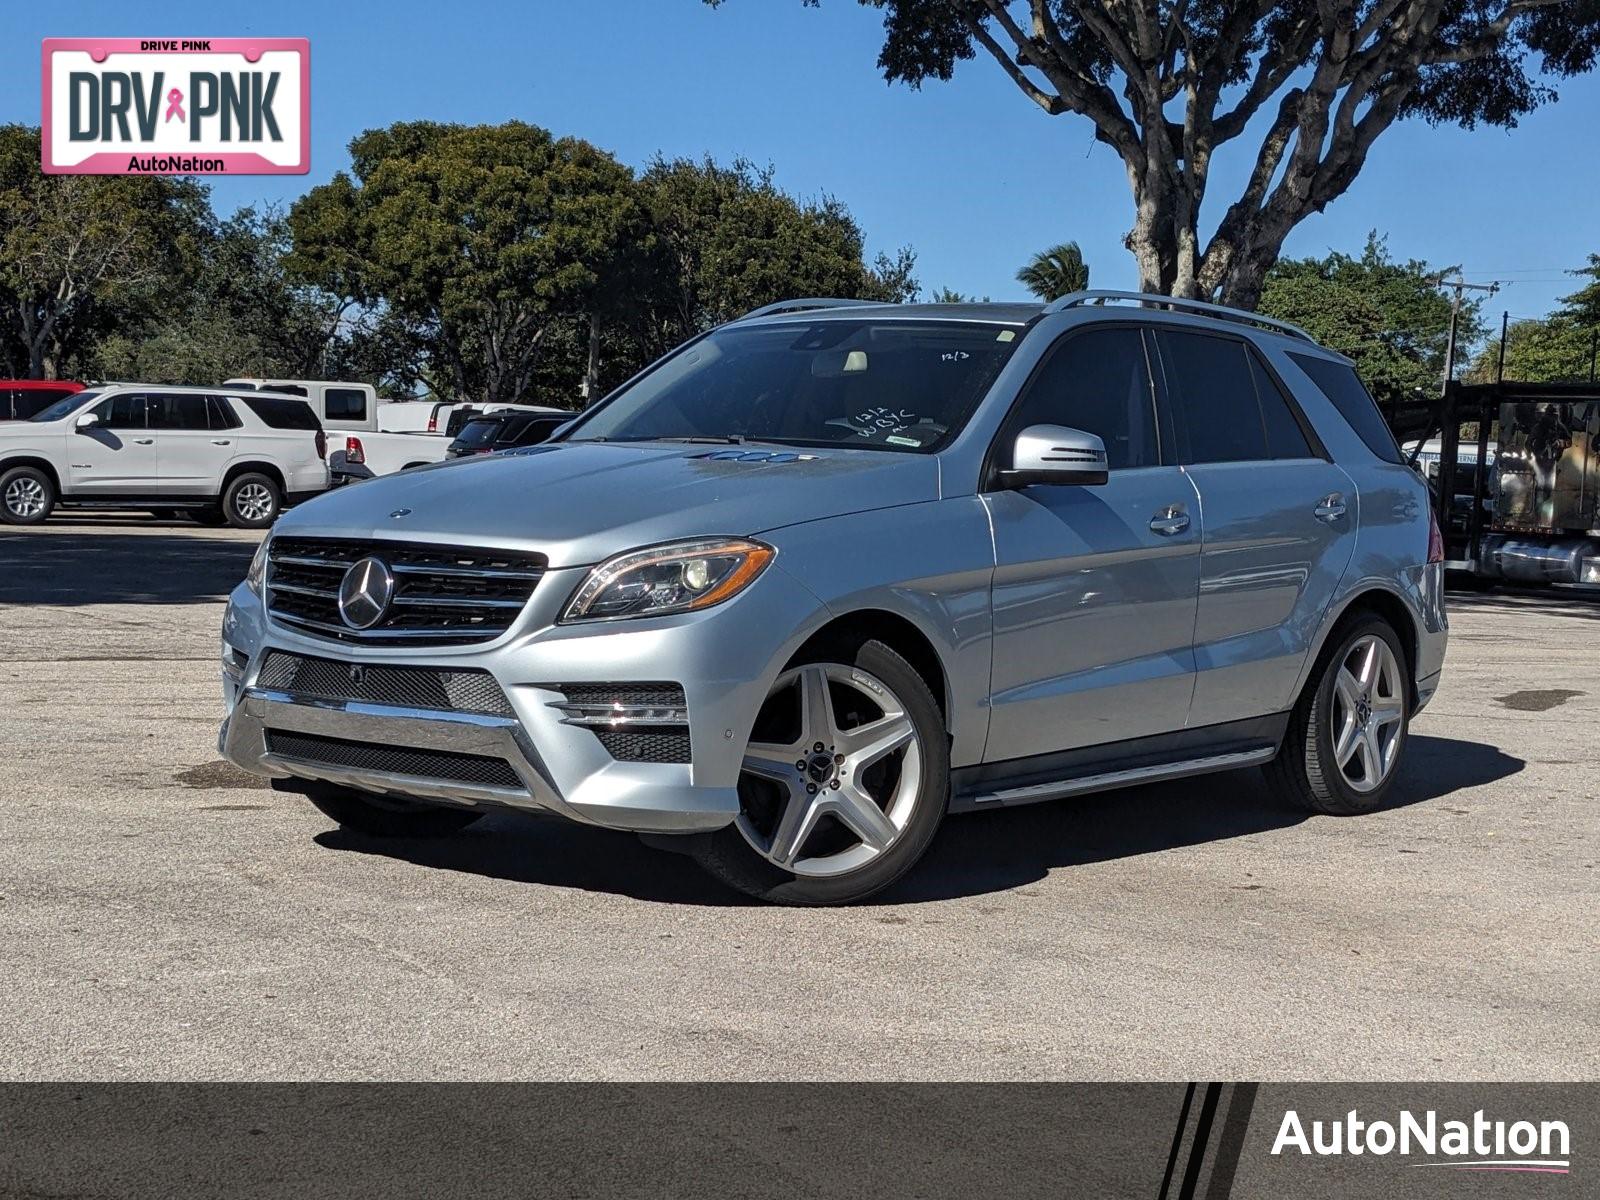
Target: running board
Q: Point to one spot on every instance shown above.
(1109, 780)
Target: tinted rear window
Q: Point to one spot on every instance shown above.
(281, 414)
(479, 433)
(1340, 384)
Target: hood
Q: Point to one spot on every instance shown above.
(581, 502)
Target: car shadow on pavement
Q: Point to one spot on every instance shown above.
(56, 567)
(996, 851)
(974, 855)
(555, 853)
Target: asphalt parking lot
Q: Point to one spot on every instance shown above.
(163, 916)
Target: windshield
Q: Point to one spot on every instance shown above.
(881, 385)
(63, 407)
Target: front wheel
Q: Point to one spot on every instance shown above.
(251, 501)
(27, 495)
(845, 781)
(1346, 735)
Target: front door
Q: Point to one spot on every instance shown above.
(1280, 523)
(117, 457)
(1095, 586)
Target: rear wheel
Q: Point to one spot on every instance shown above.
(27, 496)
(845, 781)
(251, 501)
(386, 816)
(1347, 733)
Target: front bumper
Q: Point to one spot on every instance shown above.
(724, 659)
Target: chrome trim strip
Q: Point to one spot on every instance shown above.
(1126, 778)
(616, 715)
(368, 709)
(458, 602)
(478, 632)
(295, 589)
(464, 572)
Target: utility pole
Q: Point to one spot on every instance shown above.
(1459, 286)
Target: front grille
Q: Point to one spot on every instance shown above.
(635, 722)
(406, 687)
(646, 745)
(389, 760)
(444, 595)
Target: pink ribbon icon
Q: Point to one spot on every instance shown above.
(175, 105)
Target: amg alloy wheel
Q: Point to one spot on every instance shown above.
(845, 780)
(1348, 732)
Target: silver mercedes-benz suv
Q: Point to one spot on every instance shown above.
(833, 570)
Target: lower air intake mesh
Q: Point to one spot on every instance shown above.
(389, 760)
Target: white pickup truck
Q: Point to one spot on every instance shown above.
(360, 447)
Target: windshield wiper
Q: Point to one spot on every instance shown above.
(729, 439)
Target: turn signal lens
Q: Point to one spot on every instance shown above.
(673, 578)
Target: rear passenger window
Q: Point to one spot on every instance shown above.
(1340, 384)
(1285, 438)
(1099, 382)
(1214, 397)
(178, 411)
(282, 414)
(344, 404)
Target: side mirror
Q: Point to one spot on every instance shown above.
(86, 422)
(1056, 454)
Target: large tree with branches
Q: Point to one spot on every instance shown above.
(1167, 83)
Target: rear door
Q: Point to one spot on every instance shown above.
(193, 448)
(116, 457)
(1094, 587)
(1279, 518)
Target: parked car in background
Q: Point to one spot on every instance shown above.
(235, 457)
(21, 398)
(352, 409)
(836, 569)
(504, 431)
(462, 413)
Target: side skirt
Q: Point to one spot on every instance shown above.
(1102, 768)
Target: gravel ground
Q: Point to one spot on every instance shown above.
(163, 916)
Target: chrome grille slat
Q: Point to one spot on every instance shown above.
(444, 595)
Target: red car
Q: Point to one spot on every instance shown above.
(21, 398)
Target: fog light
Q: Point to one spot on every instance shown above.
(234, 662)
(1589, 570)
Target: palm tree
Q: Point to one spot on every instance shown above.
(1054, 272)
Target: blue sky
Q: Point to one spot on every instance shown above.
(968, 173)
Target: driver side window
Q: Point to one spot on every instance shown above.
(1097, 381)
(125, 411)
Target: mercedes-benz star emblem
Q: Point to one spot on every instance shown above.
(365, 593)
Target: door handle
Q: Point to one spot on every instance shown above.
(144, 441)
(1330, 508)
(1170, 520)
(221, 442)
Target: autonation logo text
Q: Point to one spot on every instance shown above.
(1480, 1144)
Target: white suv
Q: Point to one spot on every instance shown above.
(230, 456)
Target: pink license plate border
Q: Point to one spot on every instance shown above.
(232, 163)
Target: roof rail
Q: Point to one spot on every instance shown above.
(810, 302)
(1199, 307)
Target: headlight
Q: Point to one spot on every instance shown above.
(677, 577)
(258, 567)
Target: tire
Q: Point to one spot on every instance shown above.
(794, 787)
(27, 496)
(251, 501)
(1326, 763)
(385, 817)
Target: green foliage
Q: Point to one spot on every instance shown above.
(731, 241)
(472, 241)
(1391, 318)
(1056, 272)
(81, 255)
